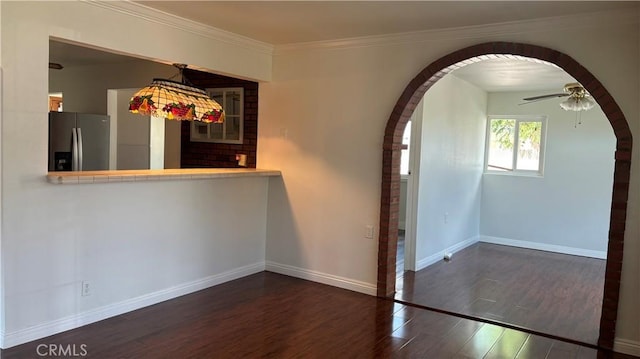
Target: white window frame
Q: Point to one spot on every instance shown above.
(543, 139)
(405, 156)
(196, 136)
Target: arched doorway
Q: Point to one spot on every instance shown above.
(406, 104)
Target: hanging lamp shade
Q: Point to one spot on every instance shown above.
(176, 101)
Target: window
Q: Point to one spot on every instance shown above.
(232, 129)
(515, 144)
(404, 159)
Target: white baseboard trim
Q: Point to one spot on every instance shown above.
(434, 258)
(77, 320)
(324, 278)
(626, 346)
(545, 247)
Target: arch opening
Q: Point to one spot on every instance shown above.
(392, 145)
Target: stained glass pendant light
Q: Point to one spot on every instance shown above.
(176, 101)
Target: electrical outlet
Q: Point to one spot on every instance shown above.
(86, 288)
(242, 159)
(446, 217)
(368, 231)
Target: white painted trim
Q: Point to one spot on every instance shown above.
(545, 247)
(324, 278)
(560, 23)
(77, 320)
(413, 188)
(153, 15)
(434, 258)
(625, 346)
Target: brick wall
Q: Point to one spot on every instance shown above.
(205, 154)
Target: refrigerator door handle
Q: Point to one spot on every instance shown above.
(79, 148)
(74, 149)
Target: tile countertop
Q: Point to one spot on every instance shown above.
(155, 175)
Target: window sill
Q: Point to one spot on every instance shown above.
(515, 174)
(88, 177)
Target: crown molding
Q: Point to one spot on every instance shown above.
(146, 13)
(559, 23)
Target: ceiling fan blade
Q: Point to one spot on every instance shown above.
(541, 97)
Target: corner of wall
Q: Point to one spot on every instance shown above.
(324, 278)
(438, 256)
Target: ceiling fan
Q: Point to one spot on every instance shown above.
(578, 99)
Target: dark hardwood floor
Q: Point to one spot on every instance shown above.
(543, 291)
(268, 315)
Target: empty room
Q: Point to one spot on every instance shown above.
(236, 192)
(511, 195)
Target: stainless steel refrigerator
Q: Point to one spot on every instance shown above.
(78, 142)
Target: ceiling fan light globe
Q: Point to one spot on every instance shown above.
(570, 104)
(577, 104)
(588, 103)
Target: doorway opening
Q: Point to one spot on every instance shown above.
(392, 147)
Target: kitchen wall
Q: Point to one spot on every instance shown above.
(323, 117)
(222, 155)
(84, 88)
(568, 208)
(450, 174)
(136, 243)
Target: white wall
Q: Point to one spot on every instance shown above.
(135, 242)
(570, 205)
(453, 122)
(84, 88)
(322, 122)
(133, 134)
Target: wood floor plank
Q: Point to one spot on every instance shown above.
(481, 342)
(508, 346)
(268, 315)
(543, 291)
(535, 347)
(456, 338)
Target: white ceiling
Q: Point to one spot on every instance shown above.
(285, 22)
(502, 75)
